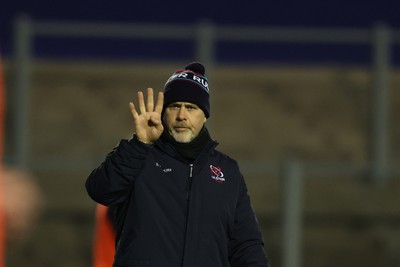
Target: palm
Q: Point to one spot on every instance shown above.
(148, 123)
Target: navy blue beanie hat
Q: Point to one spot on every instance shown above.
(188, 85)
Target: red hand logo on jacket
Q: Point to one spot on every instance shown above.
(217, 174)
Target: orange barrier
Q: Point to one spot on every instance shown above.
(104, 239)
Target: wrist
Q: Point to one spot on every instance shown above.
(143, 141)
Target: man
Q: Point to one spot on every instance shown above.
(179, 202)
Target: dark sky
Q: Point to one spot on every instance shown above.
(354, 14)
(323, 13)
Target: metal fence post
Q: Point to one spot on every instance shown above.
(380, 114)
(205, 43)
(205, 47)
(292, 214)
(22, 45)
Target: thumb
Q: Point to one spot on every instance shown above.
(155, 121)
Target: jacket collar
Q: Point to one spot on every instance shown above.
(168, 145)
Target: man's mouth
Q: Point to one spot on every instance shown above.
(181, 128)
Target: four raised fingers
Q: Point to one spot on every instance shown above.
(149, 106)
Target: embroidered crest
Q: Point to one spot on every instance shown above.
(217, 174)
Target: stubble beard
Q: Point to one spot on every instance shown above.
(182, 136)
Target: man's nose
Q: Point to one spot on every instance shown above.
(181, 114)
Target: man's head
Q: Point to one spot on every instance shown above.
(186, 102)
(188, 85)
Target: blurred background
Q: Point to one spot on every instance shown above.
(305, 96)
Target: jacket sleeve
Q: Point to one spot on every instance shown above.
(246, 246)
(111, 182)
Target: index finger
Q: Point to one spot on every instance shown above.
(160, 102)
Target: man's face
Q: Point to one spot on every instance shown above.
(184, 121)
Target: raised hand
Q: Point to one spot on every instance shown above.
(148, 124)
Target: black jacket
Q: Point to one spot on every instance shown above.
(173, 213)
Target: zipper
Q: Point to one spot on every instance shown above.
(191, 171)
(189, 184)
